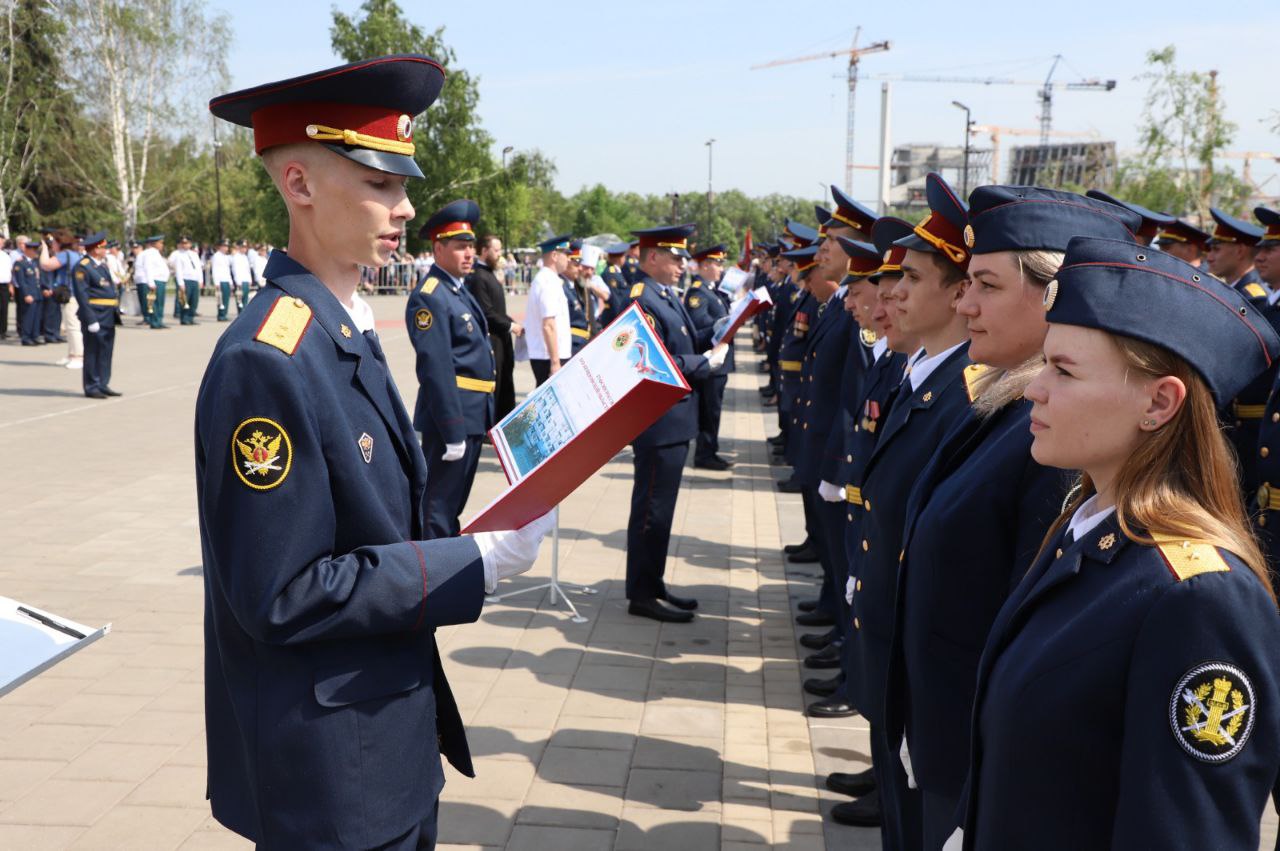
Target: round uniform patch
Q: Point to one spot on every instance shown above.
(423, 319)
(653, 323)
(695, 302)
(1212, 711)
(261, 453)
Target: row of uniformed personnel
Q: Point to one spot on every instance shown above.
(1014, 447)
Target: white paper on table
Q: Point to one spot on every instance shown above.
(29, 647)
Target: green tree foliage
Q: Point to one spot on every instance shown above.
(1182, 131)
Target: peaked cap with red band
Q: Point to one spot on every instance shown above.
(711, 252)
(864, 259)
(363, 111)
(850, 213)
(1270, 220)
(942, 232)
(674, 238)
(455, 220)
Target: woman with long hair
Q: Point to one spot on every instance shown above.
(982, 506)
(1127, 695)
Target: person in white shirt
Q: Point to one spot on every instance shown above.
(547, 313)
(6, 287)
(58, 256)
(241, 274)
(258, 263)
(154, 280)
(185, 264)
(220, 272)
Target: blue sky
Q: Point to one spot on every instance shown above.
(629, 98)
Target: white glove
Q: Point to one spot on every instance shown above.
(94, 327)
(955, 842)
(830, 492)
(716, 356)
(848, 590)
(906, 764)
(454, 451)
(507, 554)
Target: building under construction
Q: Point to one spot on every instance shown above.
(1088, 164)
(911, 163)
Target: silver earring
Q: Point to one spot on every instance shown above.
(1148, 422)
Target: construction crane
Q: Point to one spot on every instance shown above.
(1249, 157)
(854, 53)
(996, 132)
(1044, 93)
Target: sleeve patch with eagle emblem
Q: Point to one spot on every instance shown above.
(261, 453)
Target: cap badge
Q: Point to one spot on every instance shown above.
(968, 236)
(404, 128)
(1050, 295)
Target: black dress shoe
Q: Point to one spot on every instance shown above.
(777, 440)
(776, 461)
(713, 463)
(815, 619)
(656, 611)
(819, 640)
(771, 401)
(832, 707)
(95, 394)
(790, 486)
(853, 785)
(686, 603)
(825, 659)
(111, 392)
(795, 548)
(864, 812)
(807, 605)
(823, 688)
(808, 556)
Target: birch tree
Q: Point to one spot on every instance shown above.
(143, 71)
(28, 95)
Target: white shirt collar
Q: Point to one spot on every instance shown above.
(361, 313)
(881, 346)
(1273, 295)
(1087, 518)
(926, 364)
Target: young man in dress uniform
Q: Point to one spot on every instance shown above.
(579, 328)
(220, 272)
(660, 450)
(188, 275)
(96, 302)
(707, 305)
(326, 705)
(456, 373)
(1184, 241)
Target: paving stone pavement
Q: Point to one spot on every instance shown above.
(619, 733)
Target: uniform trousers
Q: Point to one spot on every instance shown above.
(29, 320)
(541, 370)
(4, 309)
(710, 404)
(157, 304)
(242, 296)
(50, 320)
(831, 519)
(813, 531)
(191, 300)
(71, 329)
(448, 484)
(900, 806)
(658, 471)
(940, 818)
(145, 301)
(224, 300)
(98, 348)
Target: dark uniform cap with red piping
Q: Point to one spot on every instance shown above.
(1031, 218)
(885, 233)
(849, 212)
(674, 238)
(711, 252)
(1152, 222)
(1228, 229)
(1271, 222)
(864, 259)
(942, 232)
(1128, 289)
(1180, 231)
(455, 220)
(363, 111)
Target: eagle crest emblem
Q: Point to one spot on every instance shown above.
(263, 453)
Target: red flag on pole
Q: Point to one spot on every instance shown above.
(745, 263)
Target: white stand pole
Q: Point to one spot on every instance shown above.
(554, 583)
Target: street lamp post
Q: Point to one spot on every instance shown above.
(506, 192)
(968, 125)
(710, 196)
(217, 176)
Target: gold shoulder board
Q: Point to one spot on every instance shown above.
(695, 285)
(972, 373)
(1254, 290)
(430, 286)
(84, 261)
(636, 290)
(1189, 558)
(285, 324)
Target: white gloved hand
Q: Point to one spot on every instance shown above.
(507, 554)
(830, 492)
(454, 451)
(905, 755)
(716, 356)
(848, 590)
(955, 842)
(94, 327)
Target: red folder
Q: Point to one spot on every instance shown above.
(562, 472)
(756, 301)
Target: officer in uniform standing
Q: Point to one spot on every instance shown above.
(707, 305)
(156, 272)
(241, 274)
(579, 328)
(1185, 242)
(456, 371)
(615, 281)
(187, 275)
(26, 281)
(97, 301)
(661, 449)
(327, 708)
(631, 262)
(220, 272)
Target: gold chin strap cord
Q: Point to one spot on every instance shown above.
(320, 133)
(954, 254)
